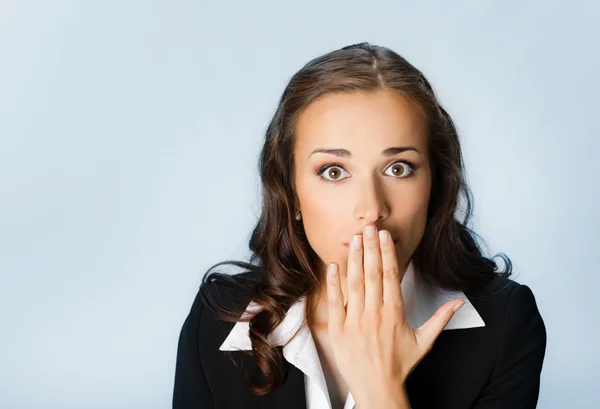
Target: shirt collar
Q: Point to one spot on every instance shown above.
(421, 301)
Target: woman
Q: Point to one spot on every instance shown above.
(364, 289)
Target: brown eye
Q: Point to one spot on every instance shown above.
(401, 169)
(332, 173)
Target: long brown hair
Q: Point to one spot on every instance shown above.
(283, 264)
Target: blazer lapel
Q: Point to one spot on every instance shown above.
(301, 357)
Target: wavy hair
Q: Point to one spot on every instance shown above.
(283, 266)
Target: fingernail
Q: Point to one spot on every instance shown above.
(332, 269)
(370, 231)
(356, 239)
(384, 236)
(458, 305)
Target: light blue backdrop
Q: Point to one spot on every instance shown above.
(130, 133)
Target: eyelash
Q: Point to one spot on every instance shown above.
(320, 170)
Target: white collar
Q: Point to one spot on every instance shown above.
(421, 301)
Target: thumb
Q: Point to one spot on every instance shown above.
(428, 332)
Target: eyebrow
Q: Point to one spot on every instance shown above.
(344, 153)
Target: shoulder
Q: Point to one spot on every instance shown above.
(201, 371)
(522, 324)
(508, 305)
(217, 292)
(514, 323)
(226, 291)
(511, 346)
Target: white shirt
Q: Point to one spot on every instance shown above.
(421, 301)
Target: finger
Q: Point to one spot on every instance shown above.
(428, 332)
(355, 277)
(335, 299)
(373, 268)
(392, 276)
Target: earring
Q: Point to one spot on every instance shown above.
(298, 215)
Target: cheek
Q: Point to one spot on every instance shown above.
(321, 204)
(413, 216)
(319, 215)
(322, 218)
(414, 225)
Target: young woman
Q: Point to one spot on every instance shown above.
(365, 289)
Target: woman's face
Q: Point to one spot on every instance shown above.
(373, 139)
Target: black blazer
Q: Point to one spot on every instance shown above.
(493, 367)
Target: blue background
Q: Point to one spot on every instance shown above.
(129, 141)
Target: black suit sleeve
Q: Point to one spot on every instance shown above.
(515, 380)
(190, 389)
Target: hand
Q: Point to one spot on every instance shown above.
(374, 347)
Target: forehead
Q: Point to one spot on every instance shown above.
(364, 120)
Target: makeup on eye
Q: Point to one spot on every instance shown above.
(319, 171)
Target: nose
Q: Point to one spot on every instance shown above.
(371, 203)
